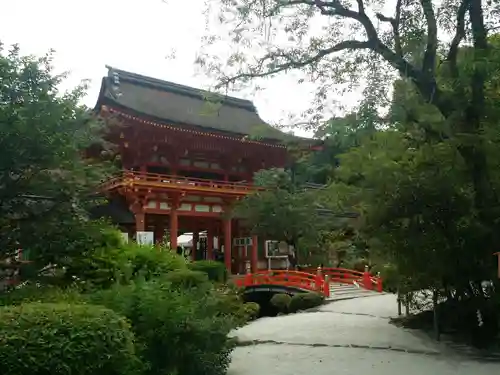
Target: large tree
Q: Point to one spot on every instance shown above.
(281, 212)
(46, 182)
(335, 42)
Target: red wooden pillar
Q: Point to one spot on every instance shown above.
(239, 255)
(196, 239)
(174, 228)
(140, 221)
(159, 232)
(254, 257)
(210, 241)
(367, 279)
(227, 244)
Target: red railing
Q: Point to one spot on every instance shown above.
(347, 276)
(131, 178)
(294, 279)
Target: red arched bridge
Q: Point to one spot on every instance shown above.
(309, 280)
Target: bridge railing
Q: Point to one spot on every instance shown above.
(295, 279)
(347, 276)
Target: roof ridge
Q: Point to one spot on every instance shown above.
(181, 89)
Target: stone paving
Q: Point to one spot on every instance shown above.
(345, 337)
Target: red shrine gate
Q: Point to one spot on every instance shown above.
(184, 168)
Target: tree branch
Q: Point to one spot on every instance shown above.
(395, 22)
(429, 63)
(426, 83)
(335, 8)
(480, 41)
(291, 64)
(457, 39)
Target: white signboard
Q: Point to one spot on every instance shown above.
(277, 249)
(145, 238)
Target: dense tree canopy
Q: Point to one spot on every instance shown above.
(46, 183)
(311, 35)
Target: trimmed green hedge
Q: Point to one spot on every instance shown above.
(282, 302)
(251, 310)
(185, 279)
(216, 271)
(304, 301)
(63, 339)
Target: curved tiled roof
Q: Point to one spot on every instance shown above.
(181, 105)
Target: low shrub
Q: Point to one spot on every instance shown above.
(117, 261)
(251, 310)
(185, 279)
(216, 271)
(37, 293)
(304, 301)
(63, 339)
(180, 330)
(228, 301)
(281, 301)
(148, 262)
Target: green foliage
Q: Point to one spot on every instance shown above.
(229, 302)
(281, 301)
(67, 339)
(40, 293)
(97, 257)
(147, 261)
(178, 331)
(91, 258)
(186, 279)
(282, 212)
(216, 271)
(46, 185)
(304, 301)
(392, 278)
(251, 310)
(419, 192)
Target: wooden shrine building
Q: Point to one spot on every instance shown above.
(186, 156)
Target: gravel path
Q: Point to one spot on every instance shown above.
(345, 337)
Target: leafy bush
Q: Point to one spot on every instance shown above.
(180, 331)
(281, 301)
(229, 302)
(38, 338)
(216, 271)
(147, 261)
(35, 293)
(185, 279)
(304, 301)
(391, 279)
(251, 310)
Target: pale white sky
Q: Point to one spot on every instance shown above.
(133, 35)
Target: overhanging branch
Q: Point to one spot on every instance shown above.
(429, 63)
(457, 39)
(294, 64)
(425, 82)
(395, 22)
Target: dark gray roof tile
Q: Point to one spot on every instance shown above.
(181, 105)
